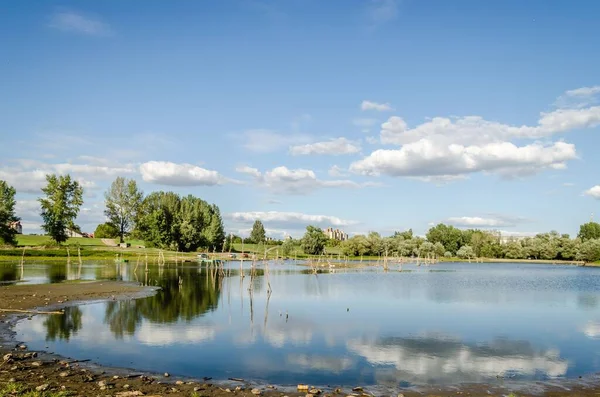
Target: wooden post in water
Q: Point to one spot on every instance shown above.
(23, 257)
(79, 254)
(68, 255)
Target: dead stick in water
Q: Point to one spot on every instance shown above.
(28, 311)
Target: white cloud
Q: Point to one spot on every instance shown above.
(372, 140)
(423, 359)
(364, 122)
(249, 171)
(333, 147)
(476, 221)
(283, 180)
(382, 11)
(28, 210)
(593, 192)
(380, 107)
(70, 21)
(288, 219)
(429, 158)
(172, 174)
(24, 181)
(336, 171)
(184, 334)
(584, 91)
(592, 330)
(267, 141)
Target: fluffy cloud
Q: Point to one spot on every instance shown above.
(443, 148)
(172, 174)
(283, 180)
(78, 23)
(427, 158)
(267, 141)
(593, 192)
(423, 359)
(380, 107)
(289, 219)
(333, 147)
(481, 222)
(336, 171)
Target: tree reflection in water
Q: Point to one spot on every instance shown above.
(62, 326)
(185, 294)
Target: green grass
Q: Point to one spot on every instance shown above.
(36, 241)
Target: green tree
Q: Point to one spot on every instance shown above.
(438, 249)
(589, 231)
(63, 199)
(7, 213)
(123, 200)
(465, 252)
(450, 237)
(287, 248)
(406, 235)
(106, 230)
(314, 241)
(513, 250)
(257, 234)
(589, 251)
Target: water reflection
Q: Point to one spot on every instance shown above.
(63, 326)
(464, 323)
(439, 360)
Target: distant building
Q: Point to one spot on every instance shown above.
(16, 226)
(336, 234)
(72, 233)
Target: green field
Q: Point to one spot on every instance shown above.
(34, 241)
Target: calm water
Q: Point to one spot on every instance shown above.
(446, 323)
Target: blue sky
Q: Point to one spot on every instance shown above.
(364, 115)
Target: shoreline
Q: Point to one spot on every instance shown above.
(51, 372)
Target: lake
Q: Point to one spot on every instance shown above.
(441, 324)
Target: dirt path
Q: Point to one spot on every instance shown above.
(109, 242)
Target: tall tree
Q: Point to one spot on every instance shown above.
(450, 237)
(7, 213)
(257, 234)
(314, 241)
(589, 231)
(122, 200)
(64, 197)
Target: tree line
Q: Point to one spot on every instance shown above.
(187, 223)
(161, 219)
(448, 241)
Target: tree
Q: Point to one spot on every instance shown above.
(61, 205)
(466, 251)
(123, 200)
(257, 234)
(589, 231)
(589, 251)
(106, 230)
(186, 224)
(438, 248)
(449, 236)
(287, 248)
(406, 235)
(7, 213)
(314, 241)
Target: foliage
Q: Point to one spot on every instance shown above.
(287, 248)
(589, 231)
(406, 235)
(122, 200)
(589, 251)
(106, 230)
(63, 199)
(168, 221)
(449, 236)
(7, 213)
(314, 241)
(257, 234)
(465, 252)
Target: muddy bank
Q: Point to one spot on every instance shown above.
(50, 373)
